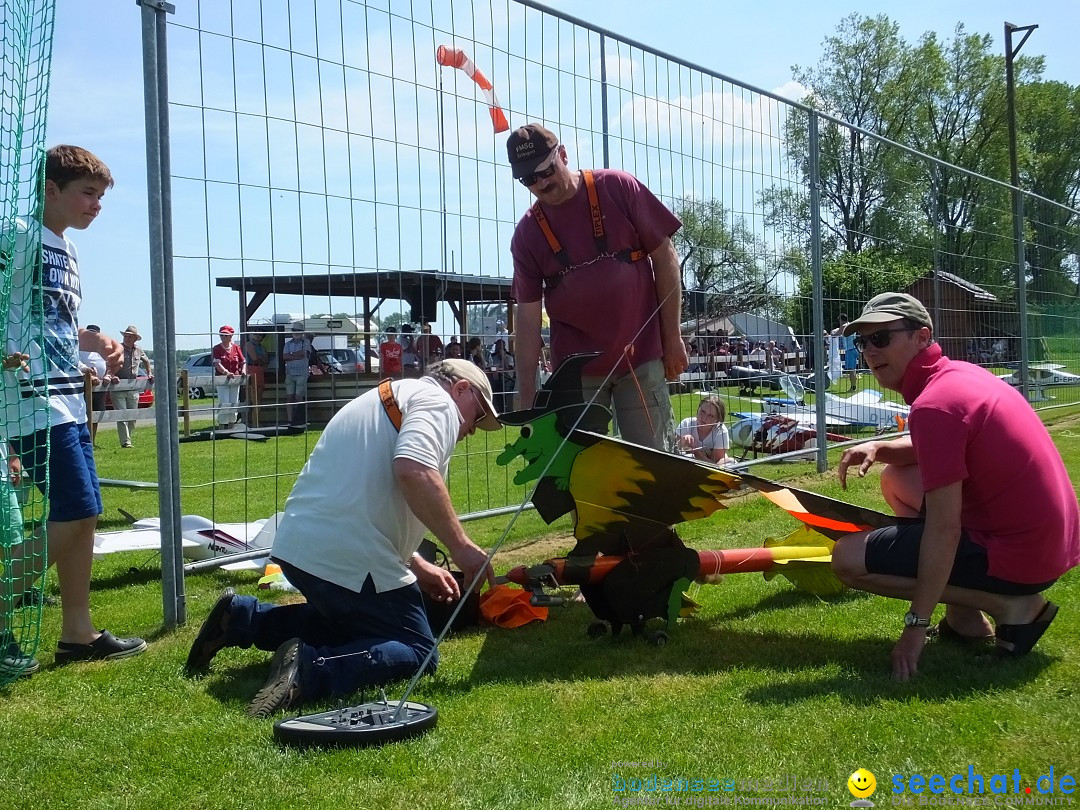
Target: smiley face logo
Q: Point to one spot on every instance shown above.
(862, 784)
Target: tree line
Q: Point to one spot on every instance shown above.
(888, 217)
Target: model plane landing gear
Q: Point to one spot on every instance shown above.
(658, 638)
(597, 629)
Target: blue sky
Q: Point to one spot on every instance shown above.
(96, 97)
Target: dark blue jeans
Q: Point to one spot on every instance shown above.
(350, 640)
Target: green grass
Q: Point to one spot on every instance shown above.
(763, 681)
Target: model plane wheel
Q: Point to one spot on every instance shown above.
(597, 629)
(375, 723)
(658, 638)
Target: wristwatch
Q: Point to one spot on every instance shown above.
(915, 620)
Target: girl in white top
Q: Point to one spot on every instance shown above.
(705, 436)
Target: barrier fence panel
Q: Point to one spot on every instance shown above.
(27, 289)
(340, 167)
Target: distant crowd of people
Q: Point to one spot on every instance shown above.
(704, 349)
(408, 353)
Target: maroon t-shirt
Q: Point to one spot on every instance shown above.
(1018, 502)
(599, 305)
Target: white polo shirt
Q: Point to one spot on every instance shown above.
(346, 517)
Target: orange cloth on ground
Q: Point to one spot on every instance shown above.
(504, 606)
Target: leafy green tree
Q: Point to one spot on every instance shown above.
(962, 121)
(722, 261)
(848, 282)
(867, 77)
(1048, 122)
(394, 319)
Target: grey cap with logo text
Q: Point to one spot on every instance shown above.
(528, 147)
(890, 306)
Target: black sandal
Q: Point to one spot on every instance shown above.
(944, 631)
(105, 647)
(1018, 639)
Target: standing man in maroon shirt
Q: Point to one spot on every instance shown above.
(595, 251)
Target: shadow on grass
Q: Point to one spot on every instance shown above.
(133, 575)
(229, 684)
(944, 675)
(804, 663)
(800, 665)
(785, 600)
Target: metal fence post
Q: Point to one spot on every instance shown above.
(603, 101)
(820, 378)
(159, 209)
(1018, 200)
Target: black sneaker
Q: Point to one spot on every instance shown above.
(211, 636)
(282, 689)
(104, 648)
(14, 662)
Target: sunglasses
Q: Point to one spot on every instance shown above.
(483, 409)
(535, 177)
(881, 338)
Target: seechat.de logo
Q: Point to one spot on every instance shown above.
(862, 785)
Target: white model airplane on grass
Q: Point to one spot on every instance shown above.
(865, 409)
(868, 408)
(1042, 375)
(202, 539)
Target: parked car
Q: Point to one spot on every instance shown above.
(199, 365)
(146, 398)
(326, 357)
(344, 360)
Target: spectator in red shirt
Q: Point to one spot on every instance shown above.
(390, 352)
(229, 362)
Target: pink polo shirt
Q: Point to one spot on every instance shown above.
(1018, 502)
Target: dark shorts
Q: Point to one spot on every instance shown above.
(895, 550)
(67, 464)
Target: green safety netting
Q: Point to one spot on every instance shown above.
(27, 30)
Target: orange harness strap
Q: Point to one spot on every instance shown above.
(629, 255)
(594, 212)
(552, 240)
(393, 412)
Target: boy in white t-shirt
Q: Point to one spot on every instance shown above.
(47, 419)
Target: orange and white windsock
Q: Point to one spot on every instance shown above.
(456, 58)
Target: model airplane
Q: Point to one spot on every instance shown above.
(629, 589)
(1042, 375)
(201, 538)
(629, 562)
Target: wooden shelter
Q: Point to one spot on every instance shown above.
(423, 290)
(963, 311)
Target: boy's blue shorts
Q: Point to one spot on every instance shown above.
(74, 492)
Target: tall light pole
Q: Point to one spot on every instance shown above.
(1018, 198)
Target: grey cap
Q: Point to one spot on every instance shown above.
(890, 306)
